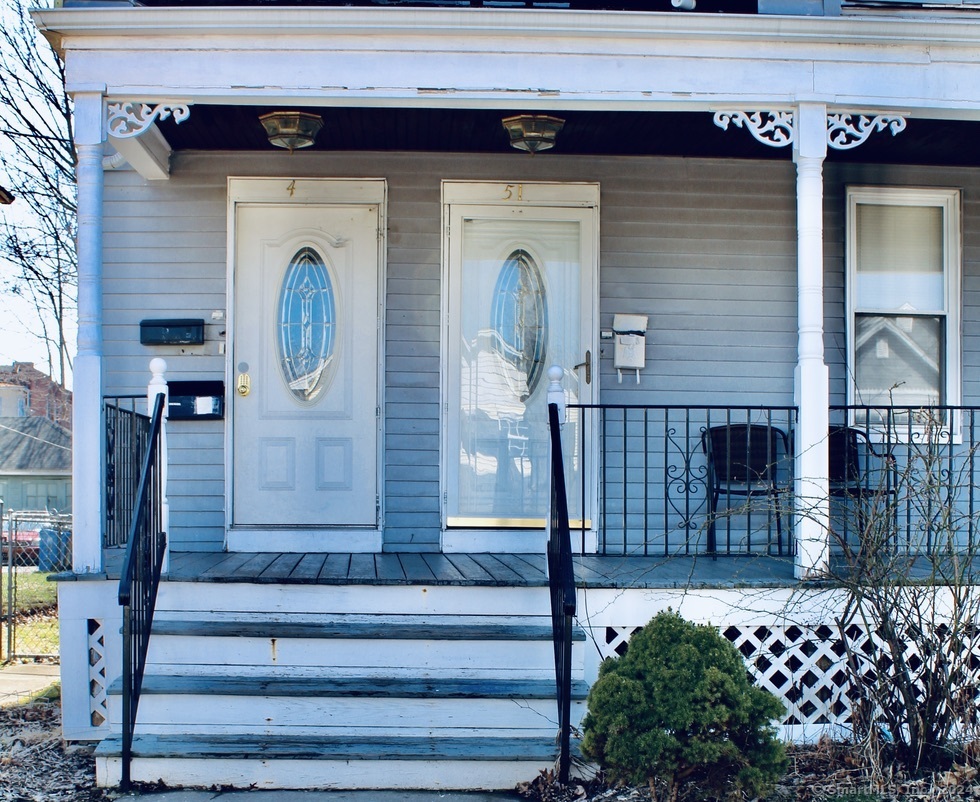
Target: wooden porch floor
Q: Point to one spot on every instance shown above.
(507, 570)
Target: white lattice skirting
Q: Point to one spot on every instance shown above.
(98, 702)
(804, 666)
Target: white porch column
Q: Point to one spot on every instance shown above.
(811, 377)
(87, 492)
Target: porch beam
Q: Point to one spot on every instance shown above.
(812, 388)
(87, 492)
(149, 154)
(578, 60)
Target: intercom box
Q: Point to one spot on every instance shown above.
(196, 400)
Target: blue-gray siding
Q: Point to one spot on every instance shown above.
(705, 248)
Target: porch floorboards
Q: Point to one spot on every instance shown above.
(493, 570)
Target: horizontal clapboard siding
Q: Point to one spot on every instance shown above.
(706, 249)
(164, 257)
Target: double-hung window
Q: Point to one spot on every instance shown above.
(903, 289)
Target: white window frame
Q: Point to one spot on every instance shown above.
(948, 200)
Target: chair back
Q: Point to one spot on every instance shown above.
(744, 453)
(844, 455)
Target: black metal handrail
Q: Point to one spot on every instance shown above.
(918, 469)
(561, 579)
(658, 494)
(146, 545)
(126, 433)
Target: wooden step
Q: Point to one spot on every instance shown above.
(383, 688)
(340, 629)
(369, 658)
(373, 646)
(346, 706)
(381, 762)
(189, 599)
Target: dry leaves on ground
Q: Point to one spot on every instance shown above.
(36, 765)
(818, 772)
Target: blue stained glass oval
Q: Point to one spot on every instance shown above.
(520, 318)
(306, 325)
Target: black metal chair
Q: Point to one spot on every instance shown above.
(747, 460)
(859, 472)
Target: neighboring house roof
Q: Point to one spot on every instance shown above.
(34, 444)
(5, 196)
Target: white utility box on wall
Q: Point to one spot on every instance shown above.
(630, 353)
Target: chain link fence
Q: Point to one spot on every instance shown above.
(34, 545)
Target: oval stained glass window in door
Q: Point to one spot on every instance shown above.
(520, 320)
(306, 323)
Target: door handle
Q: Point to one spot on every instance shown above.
(244, 384)
(587, 364)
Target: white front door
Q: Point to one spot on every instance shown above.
(521, 280)
(305, 369)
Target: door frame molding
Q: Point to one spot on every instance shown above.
(287, 191)
(530, 195)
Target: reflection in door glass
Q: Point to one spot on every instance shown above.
(306, 325)
(519, 311)
(520, 320)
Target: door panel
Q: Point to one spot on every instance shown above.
(521, 285)
(306, 336)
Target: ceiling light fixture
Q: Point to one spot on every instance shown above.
(291, 129)
(532, 132)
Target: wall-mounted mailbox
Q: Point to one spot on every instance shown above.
(629, 351)
(181, 331)
(200, 400)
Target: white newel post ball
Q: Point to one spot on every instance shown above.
(556, 395)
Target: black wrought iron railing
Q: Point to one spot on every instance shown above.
(126, 433)
(562, 582)
(906, 476)
(676, 480)
(142, 567)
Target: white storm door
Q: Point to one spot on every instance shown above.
(521, 299)
(305, 436)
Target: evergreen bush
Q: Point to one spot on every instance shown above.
(678, 712)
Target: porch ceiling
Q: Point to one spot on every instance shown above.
(586, 133)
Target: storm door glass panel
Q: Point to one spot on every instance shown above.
(519, 311)
(306, 325)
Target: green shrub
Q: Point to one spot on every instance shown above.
(678, 712)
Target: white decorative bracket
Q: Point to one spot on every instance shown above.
(777, 129)
(773, 128)
(136, 138)
(131, 118)
(846, 131)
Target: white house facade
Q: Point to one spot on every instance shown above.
(750, 230)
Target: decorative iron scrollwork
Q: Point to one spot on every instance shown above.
(846, 131)
(773, 128)
(131, 118)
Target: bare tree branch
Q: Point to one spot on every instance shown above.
(37, 164)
